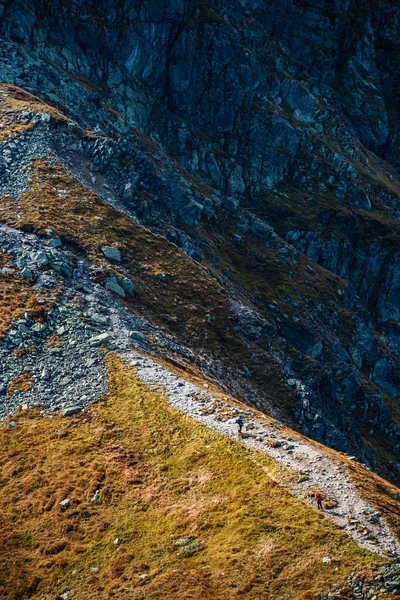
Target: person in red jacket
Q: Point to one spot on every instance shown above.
(319, 499)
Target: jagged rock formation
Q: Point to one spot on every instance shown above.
(263, 141)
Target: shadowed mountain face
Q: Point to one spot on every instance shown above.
(261, 138)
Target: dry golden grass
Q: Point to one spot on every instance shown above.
(17, 101)
(22, 383)
(18, 297)
(5, 259)
(162, 477)
(53, 341)
(20, 100)
(20, 352)
(380, 493)
(13, 129)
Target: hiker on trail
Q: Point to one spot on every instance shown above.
(240, 423)
(76, 274)
(319, 499)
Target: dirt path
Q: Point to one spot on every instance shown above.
(315, 468)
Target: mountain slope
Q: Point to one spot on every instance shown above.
(138, 452)
(208, 193)
(162, 479)
(214, 122)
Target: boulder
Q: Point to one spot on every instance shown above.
(358, 197)
(298, 335)
(387, 375)
(231, 205)
(41, 259)
(243, 226)
(71, 410)
(191, 212)
(96, 496)
(138, 336)
(183, 541)
(351, 385)
(66, 271)
(299, 100)
(261, 230)
(196, 256)
(113, 286)
(191, 548)
(127, 193)
(54, 243)
(27, 273)
(98, 340)
(127, 285)
(82, 287)
(316, 350)
(246, 372)
(111, 253)
(100, 320)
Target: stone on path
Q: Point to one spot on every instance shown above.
(82, 287)
(98, 340)
(138, 336)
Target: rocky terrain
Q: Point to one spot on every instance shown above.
(370, 586)
(211, 192)
(268, 157)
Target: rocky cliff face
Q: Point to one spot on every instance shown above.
(262, 140)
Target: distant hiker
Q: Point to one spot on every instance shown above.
(76, 274)
(319, 499)
(240, 423)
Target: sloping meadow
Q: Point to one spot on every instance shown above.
(158, 506)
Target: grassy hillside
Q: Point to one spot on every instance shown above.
(162, 477)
